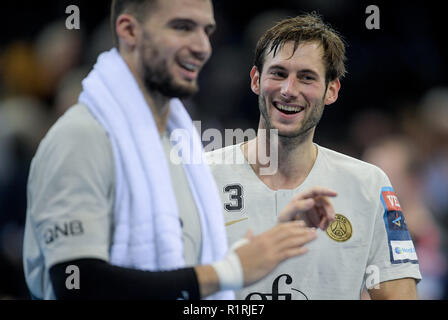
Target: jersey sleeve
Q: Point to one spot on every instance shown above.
(392, 254)
(70, 194)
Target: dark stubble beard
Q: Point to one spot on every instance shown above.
(303, 132)
(156, 76)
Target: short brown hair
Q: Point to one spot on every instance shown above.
(138, 8)
(305, 28)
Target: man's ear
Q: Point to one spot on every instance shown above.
(332, 91)
(255, 80)
(128, 30)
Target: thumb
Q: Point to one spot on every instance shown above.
(241, 242)
(294, 208)
(249, 235)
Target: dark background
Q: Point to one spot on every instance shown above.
(394, 65)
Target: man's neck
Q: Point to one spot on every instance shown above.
(158, 103)
(159, 106)
(295, 159)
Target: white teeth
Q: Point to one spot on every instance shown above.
(189, 66)
(288, 108)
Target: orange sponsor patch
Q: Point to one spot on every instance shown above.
(391, 200)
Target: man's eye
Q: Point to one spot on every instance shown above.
(308, 78)
(278, 74)
(183, 27)
(209, 31)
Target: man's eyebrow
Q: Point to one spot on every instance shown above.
(209, 28)
(277, 67)
(310, 71)
(182, 20)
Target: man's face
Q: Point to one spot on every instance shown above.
(292, 89)
(175, 45)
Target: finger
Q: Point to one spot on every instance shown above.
(249, 235)
(287, 230)
(314, 217)
(293, 252)
(324, 224)
(325, 208)
(298, 240)
(321, 214)
(295, 207)
(305, 219)
(315, 192)
(243, 241)
(329, 209)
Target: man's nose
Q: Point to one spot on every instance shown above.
(290, 88)
(201, 46)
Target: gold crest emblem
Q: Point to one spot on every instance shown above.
(340, 229)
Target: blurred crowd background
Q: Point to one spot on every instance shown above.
(392, 110)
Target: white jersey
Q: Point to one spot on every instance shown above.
(71, 196)
(368, 243)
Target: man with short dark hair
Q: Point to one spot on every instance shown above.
(110, 216)
(298, 66)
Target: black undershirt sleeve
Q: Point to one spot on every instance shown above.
(101, 280)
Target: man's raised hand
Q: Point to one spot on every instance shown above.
(313, 207)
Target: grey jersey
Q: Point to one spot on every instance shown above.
(368, 242)
(71, 194)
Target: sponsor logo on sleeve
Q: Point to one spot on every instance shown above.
(391, 200)
(401, 248)
(63, 230)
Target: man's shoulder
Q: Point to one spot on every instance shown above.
(226, 155)
(75, 131)
(77, 120)
(77, 124)
(349, 165)
(221, 151)
(76, 145)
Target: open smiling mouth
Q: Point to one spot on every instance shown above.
(189, 71)
(189, 67)
(288, 109)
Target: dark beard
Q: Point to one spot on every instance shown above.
(158, 79)
(308, 125)
(156, 76)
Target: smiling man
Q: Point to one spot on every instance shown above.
(109, 216)
(297, 70)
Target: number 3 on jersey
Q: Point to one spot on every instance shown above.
(235, 192)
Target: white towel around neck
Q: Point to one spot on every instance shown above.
(147, 231)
